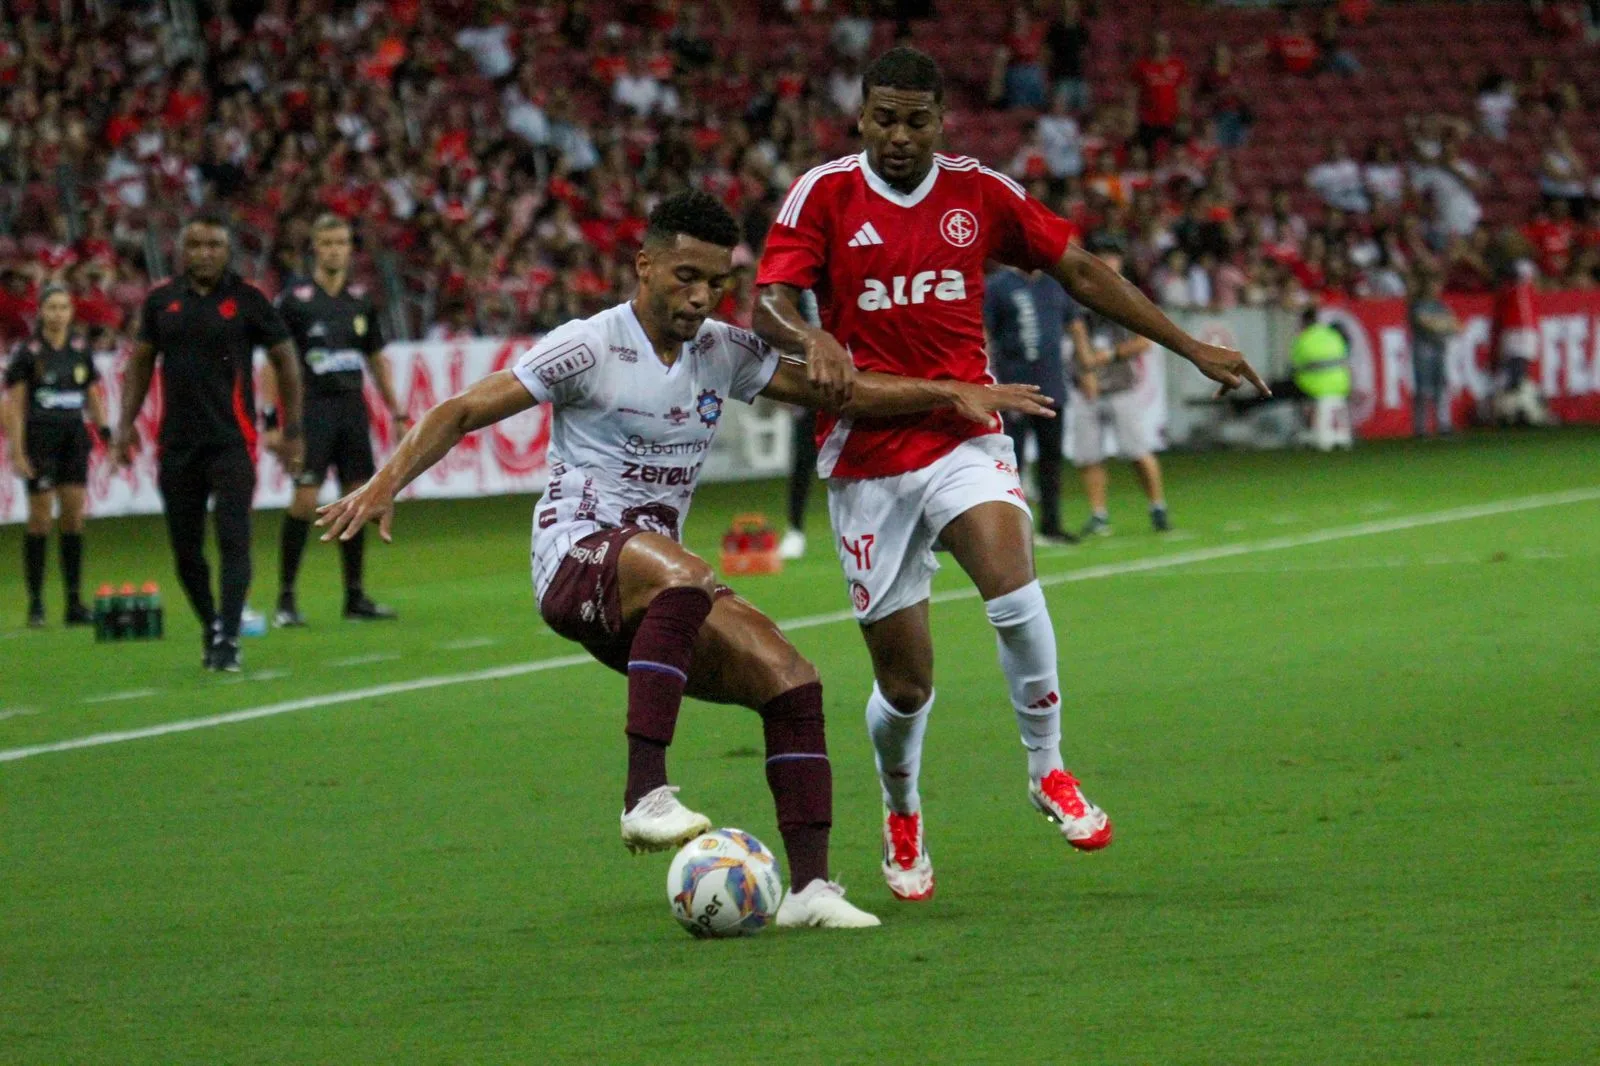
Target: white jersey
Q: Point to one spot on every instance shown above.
(629, 434)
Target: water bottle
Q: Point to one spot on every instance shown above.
(139, 615)
(157, 624)
(122, 612)
(102, 613)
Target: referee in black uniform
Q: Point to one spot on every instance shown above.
(335, 326)
(50, 384)
(205, 325)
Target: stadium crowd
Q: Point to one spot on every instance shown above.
(498, 159)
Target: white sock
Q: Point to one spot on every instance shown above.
(897, 745)
(1027, 643)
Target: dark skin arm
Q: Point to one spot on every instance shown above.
(885, 395)
(135, 386)
(779, 322)
(1099, 288)
(290, 445)
(501, 395)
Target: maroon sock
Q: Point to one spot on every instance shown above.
(658, 669)
(801, 779)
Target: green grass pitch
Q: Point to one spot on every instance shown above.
(1349, 734)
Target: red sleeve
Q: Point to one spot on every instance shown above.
(797, 244)
(1024, 233)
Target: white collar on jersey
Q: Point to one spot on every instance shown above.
(893, 195)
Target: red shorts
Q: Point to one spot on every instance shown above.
(584, 600)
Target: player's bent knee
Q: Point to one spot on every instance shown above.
(906, 697)
(689, 574)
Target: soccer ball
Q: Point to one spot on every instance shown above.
(724, 883)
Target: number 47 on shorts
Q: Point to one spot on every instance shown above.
(859, 549)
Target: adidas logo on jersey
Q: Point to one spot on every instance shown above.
(865, 236)
(947, 285)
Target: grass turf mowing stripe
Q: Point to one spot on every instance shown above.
(1088, 573)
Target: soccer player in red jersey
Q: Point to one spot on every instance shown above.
(893, 243)
(636, 395)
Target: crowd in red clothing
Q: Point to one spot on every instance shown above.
(498, 158)
(1150, 173)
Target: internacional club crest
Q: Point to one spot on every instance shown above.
(959, 227)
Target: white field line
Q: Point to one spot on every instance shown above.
(364, 660)
(131, 694)
(1089, 573)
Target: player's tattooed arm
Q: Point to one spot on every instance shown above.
(884, 395)
(496, 397)
(285, 363)
(135, 386)
(1095, 285)
(778, 321)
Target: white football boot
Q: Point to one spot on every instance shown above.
(821, 905)
(792, 546)
(906, 865)
(1059, 799)
(659, 822)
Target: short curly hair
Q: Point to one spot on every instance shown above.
(906, 69)
(692, 213)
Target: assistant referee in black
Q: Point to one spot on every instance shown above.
(334, 324)
(205, 326)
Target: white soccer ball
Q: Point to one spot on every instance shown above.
(724, 883)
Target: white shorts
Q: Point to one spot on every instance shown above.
(885, 528)
(1520, 344)
(1125, 412)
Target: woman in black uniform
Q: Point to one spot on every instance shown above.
(50, 384)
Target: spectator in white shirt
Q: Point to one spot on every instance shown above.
(490, 49)
(844, 86)
(522, 116)
(1061, 139)
(1497, 99)
(1338, 180)
(640, 92)
(851, 35)
(1452, 183)
(1382, 175)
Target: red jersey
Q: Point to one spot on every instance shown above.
(1554, 242)
(1295, 51)
(1159, 81)
(899, 281)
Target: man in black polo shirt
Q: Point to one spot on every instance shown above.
(205, 325)
(335, 326)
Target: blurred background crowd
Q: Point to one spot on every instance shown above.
(497, 159)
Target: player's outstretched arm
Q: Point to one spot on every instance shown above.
(1098, 287)
(778, 321)
(496, 397)
(883, 395)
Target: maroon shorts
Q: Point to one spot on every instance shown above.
(584, 599)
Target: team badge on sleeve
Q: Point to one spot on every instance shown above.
(710, 407)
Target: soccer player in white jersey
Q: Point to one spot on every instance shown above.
(893, 243)
(636, 394)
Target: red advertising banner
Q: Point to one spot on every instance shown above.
(1567, 367)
